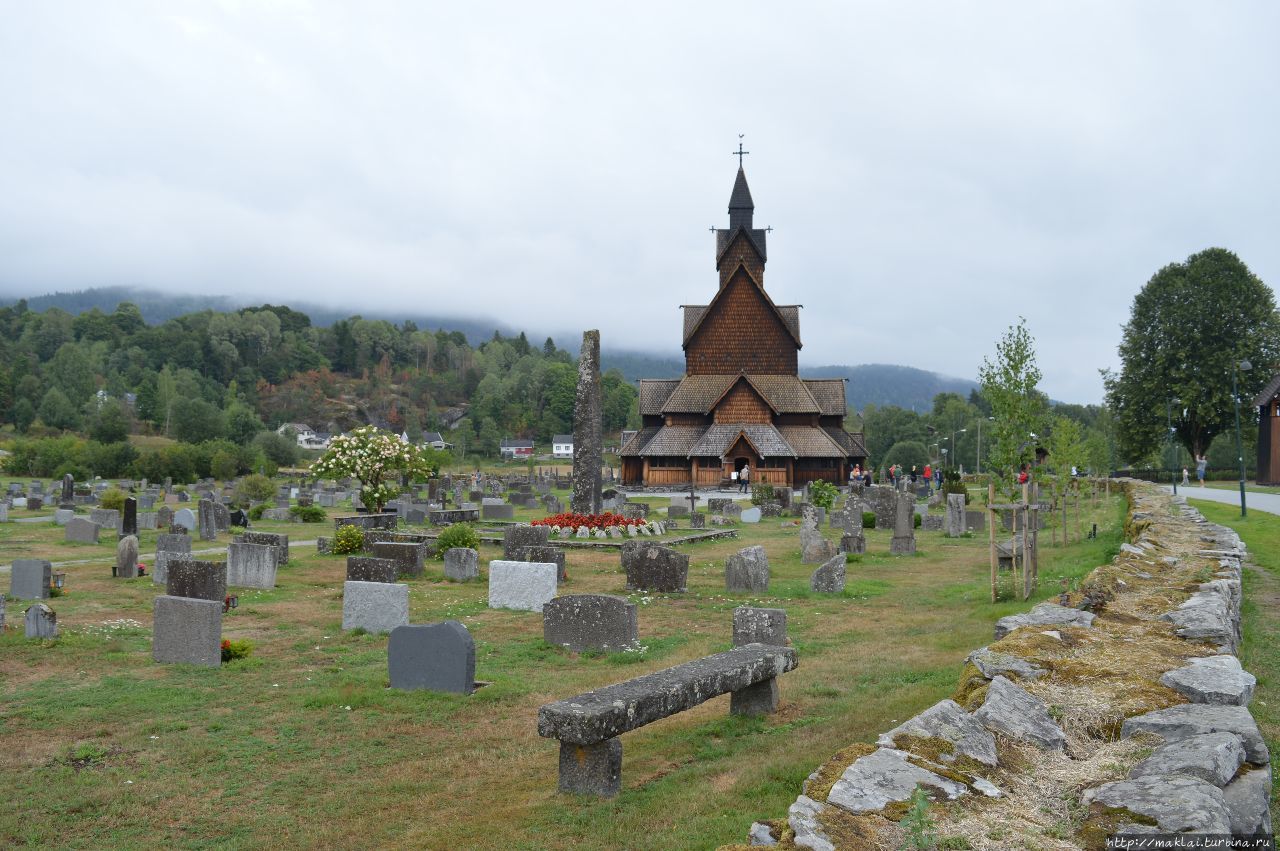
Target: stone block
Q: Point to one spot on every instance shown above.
(855, 543)
(759, 626)
(29, 579)
(747, 571)
(41, 622)
(107, 518)
(955, 526)
(433, 657)
(544, 554)
(461, 564)
(368, 569)
(500, 511)
(167, 547)
(830, 577)
(199, 580)
(374, 606)
(81, 531)
(591, 769)
(62, 516)
(948, 721)
(408, 558)
(582, 622)
(526, 586)
(1194, 719)
(515, 537)
(657, 568)
(1012, 711)
(251, 566)
(1175, 804)
(127, 558)
(269, 539)
(187, 630)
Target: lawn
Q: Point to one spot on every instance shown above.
(303, 744)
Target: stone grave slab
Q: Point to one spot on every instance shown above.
(582, 622)
(187, 631)
(29, 579)
(251, 566)
(432, 657)
(375, 607)
(200, 580)
(522, 585)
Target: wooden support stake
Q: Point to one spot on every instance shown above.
(1026, 543)
(992, 520)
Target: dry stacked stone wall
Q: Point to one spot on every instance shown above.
(1121, 708)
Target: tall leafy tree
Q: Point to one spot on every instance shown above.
(1009, 386)
(1190, 326)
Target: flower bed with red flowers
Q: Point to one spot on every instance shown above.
(591, 521)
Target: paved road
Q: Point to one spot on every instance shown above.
(1266, 502)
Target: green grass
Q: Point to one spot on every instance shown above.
(1260, 613)
(303, 744)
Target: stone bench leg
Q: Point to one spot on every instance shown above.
(591, 769)
(758, 699)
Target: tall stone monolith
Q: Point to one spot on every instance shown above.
(588, 449)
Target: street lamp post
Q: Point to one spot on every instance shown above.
(954, 454)
(1168, 443)
(1235, 393)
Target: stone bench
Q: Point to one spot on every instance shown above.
(588, 725)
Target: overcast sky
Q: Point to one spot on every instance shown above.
(932, 170)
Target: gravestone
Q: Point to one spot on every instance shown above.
(62, 516)
(657, 568)
(208, 526)
(200, 580)
(583, 622)
(168, 546)
(186, 518)
(515, 538)
(814, 549)
(29, 579)
(678, 510)
(698, 520)
(222, 517)
(407, 557)
(107, 518)
(374, 606)
(461, 564)
(903, 541)
(34, 503)
(187, 631)
(747, 571)
(251, 566)
(588, 444)
(41, 622)
(955, 526)
(433, 657)
(975, 520)
(759, 626)
(543, 555)
(68, 492)
(750, 515)
(932, 523)
(164, 517)
(127, 557)
(129, 520)
(269, 539)
(523, 585)
(830, 577)
(81, 531)
(4, 512)
(367, 569)
(498, 511)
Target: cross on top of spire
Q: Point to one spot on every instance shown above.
(740, 153)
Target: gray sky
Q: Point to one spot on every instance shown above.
(932, 170)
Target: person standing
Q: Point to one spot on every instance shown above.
(928, 476)
(744, 478)
(1201, 464)
(1185, 480)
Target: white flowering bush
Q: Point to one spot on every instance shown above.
(373, 457)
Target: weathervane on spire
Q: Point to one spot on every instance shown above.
(740, 153)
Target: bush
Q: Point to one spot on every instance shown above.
(868, 520)
(112, 498)
(237, 649)
(308, 513)
(255, 488)
(457, 535)
(761, 492)
(255, 513)
(823, 494)
(349, 539)
(916, 521)
(951, 484)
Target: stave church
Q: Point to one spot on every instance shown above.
(741, 401)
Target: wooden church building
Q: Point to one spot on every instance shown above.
(1268, 405)
(741, 401)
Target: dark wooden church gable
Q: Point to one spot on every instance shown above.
(741, 332)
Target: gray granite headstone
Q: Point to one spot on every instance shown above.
(522, 585)
(753, 625)
(368, 569)
(29, 579)
(81, 531)
(830, 577)
(461, 564)
(747, 571)
(187, 630)
(583, 622)
(658, 568)
(208, 524)
(107, 518)
(588, 443)
(270, 539)
(955, 526)
(543, 555)
(433, 656)
(374, 606)
(41, 622)
(168, 546)
(251, 566)
(407, 557)
(750, 515)
(201, 580)
(129, 520)
(516, 537)
(903, 541)
(186, 518)
(127, 557)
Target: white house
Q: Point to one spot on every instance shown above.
(435, 440)
(307, 437)
(515, 448)
(562, 446)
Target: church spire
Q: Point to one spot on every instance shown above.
(741, 206)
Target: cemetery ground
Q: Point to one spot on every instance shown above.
(304, 744)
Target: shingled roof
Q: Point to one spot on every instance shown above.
(786, 394)
(852, 444)
(698, 393)
(1269, 392)
(720, 438)
(654, 393)
(638, 440)
(809, 442)
(829, 394)
(788, 315)
(673, 440)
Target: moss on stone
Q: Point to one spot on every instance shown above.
(829, 772)
(1103, 821)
